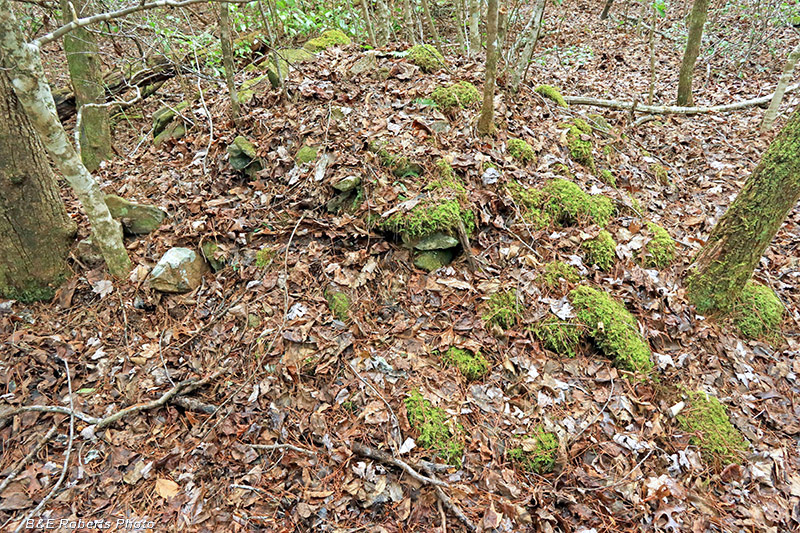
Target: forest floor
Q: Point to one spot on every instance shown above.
(283, 370)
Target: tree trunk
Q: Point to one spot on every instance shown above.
(368, 22)
(86, 76)
(408, 20)
(606, 9)
(474, 20)
(486, 120)
(35, 231)
(652, 48)
(741, 236)
(460, 17)
(696, 22)
(429, 21)
(528, 39)
(30, 86)
(384, 23)
(227, 60)
(786, 77)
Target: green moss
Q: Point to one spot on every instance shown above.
(521, 151)
(326, 40)
(613, 328)
(601, 250)
(434, 431)
(264, 257)
(306, 154)
(339, 304)
(243, 156)
(660, 173)
(538, 452)
(567, 204)
(165, 115)
(426, 57)
(660, 250)
(447, 179)
(558, 335)
(580, 149)
(706, 419)
(608, 177)
(461, 94)
(430, 216)
(31, 292)
(758, 312)
(599, 121)
(550, 92)
(503, 309)
(555, 271)
(248, 89)
(212, 255)
(530, 203)
(471, 365)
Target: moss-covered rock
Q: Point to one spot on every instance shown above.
(551, 93)
(556, 271)
(430, 216)
(568, 204)
(326, 40)
(537, 452)
(165, 115)
(213, 255)
(580, 144)
(306, 154)
(758, 312)
(503, 309)
(461, 94)
(243, 156)
(708, 422)
(430, 260)
(339, 304)
(247, 90)
(136, 219)
(601, 251)
(175, 130)
(530, 202)
(521, 151)
(426, 57)
(659, 251)
(435, 430)
(472, 366)
(559, 336)
(613, 328)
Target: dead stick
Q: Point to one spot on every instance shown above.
(372, 453)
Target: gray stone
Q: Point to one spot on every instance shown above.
(165, 115)
(440, 126)
(437, 241)
(347, 184)
(243, 156)
(434, 259)
(490, 176)
(136, 219)
(367, 63)
(178, 270)
(174, 130)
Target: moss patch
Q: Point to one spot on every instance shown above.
(580, 148)
(758, 312)
(660, 173)
(471, 365)
(434, 431)
(264, 257)
(461, 94)
(339, 304)
(530, 203)
(558, 335)
(503, 309)
(601, 250)
(708, 422)
(551, 93)
(607, 177)
(568, 204)
(326, 40)
(306, 154)
(521, 151)
(537, 453)
(613, 328)
(447, 179)
(555, 271)
(426, 57)
(430, 216)
(660, 250)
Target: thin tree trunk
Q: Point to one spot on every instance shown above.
(35, 231)
(528, 39)
(696, 22)
(786, 77)
(86, 75)
(474, 21)
(652, 46)
(460, 16)
(408, 22)
(429, 20)
(368, 22)
(606, 9)
(744, 232)
(384, 23)
(486, 120)
(33, 92)
(227, 60)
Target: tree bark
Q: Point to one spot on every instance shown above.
(606, 9)
(86, 76)
(30, 86)
(777, 97)
(474, 21)
(652, 49)
(368, 22)
(696, 22)
(384, 23)
(741, 236)
(486, 120)
(408, 22)
(429, 21)
(35, 231)
(227, 60)
(528, 40)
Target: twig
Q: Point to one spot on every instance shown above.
(464, 240)
(455, 509)
(272, 447)
(372, 453)
(44, 440)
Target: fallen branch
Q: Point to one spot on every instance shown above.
(673, 109)
(271, 447)
(39, 445)
(372, 453)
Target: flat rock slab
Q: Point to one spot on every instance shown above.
(179, 270)
(136, 219)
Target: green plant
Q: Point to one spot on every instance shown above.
(567, 203)
(471, 365)
(558, 335)
(601, 250)
(660, 250)
(758, 312)
(580, 148)
(708, 422)
(430, 216)
(264, 257)
(426, 57)
(434, 431)
(339, 304)
(537, 453)
(503, 309)
(521, 151)
(555, 271)
(530, 204)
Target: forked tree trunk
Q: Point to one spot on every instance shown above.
(486, 120)
(35, 231)
(741, 236)
(368, 22)
(696, 22)
(786, 77)
(30, 86)
(527, 40)
(86, 75)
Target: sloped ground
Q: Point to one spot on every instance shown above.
(292, 374)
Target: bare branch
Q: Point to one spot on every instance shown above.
(372, 453)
